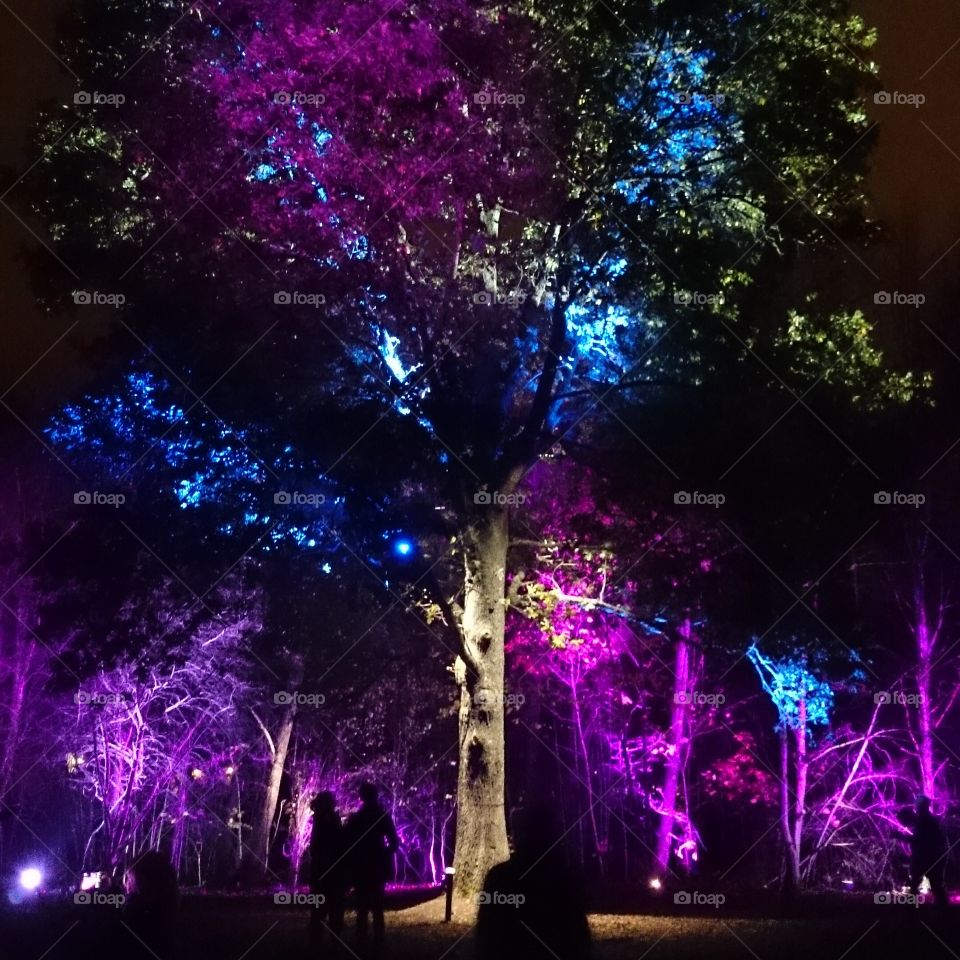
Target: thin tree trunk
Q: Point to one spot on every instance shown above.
(676, 759)
(481, 837)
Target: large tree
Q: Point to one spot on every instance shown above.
(450, 230)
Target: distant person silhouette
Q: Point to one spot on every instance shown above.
(327, 868)
(371, 840)
(150, 909)
(928, 852)
(532, 906)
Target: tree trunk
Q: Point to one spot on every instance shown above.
(926, 641)
(259, 845)
(678, 734)
(481, 837)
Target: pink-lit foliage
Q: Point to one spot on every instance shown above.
(153, 741)
(599, 612)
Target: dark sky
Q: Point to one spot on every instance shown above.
(915, 178)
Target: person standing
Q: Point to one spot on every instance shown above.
(371, 840)
(928, 852)
(327, 869)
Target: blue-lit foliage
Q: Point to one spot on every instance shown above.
(141, 430)
(802, 699)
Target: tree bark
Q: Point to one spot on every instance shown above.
(259, 845)
(481, 835)
(678, 737)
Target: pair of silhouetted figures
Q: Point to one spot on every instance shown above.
(358, 854)
(533, 907)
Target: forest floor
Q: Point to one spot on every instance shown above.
(248, 928)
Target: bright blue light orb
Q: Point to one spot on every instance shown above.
(403, 548)
(30, 878)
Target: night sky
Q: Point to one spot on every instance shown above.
(915, 180)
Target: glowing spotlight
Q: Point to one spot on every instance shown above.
(229, 771)
(655, 883)
(30, 878)
(403, 548)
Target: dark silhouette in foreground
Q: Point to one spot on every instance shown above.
(532, 906)
(328, 879)
(371, 841)
(150, 910)
(928, 852)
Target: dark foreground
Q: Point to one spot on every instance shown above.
(240, 928)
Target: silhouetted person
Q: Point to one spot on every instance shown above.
(150, 910)
(928, 852)
(532, 906)
(327, 868)
(371, 840)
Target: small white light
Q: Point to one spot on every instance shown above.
(655, 883)
(30, 878)
(90, 881)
